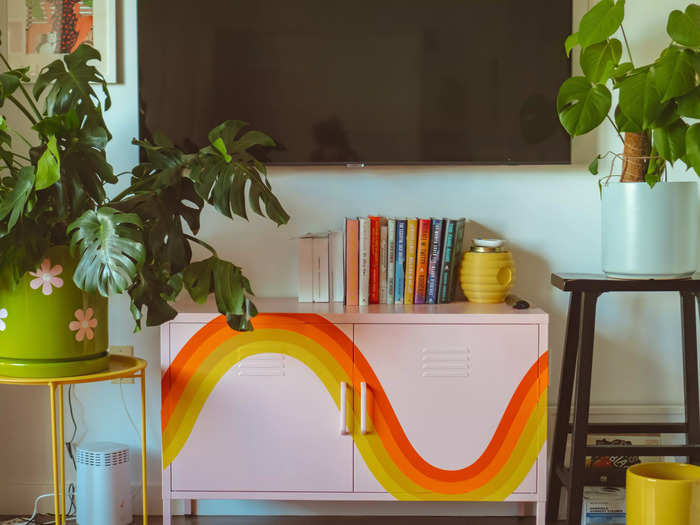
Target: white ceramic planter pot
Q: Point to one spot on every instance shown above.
(650, 233)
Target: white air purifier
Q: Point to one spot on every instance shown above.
(103, 492)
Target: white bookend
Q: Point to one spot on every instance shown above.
(363, 298)
(383, 235)
(305, 270)
(336, 247)
(391, 260)
(320, 270)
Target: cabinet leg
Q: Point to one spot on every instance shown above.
(167, 511)
(690, 372)
(583, 398)
(566, 388)
(541, 513)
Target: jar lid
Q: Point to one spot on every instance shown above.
(486, 245)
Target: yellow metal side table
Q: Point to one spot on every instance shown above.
(120, 367)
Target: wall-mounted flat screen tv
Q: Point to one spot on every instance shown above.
(362, 81)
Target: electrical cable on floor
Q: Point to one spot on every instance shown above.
(32, 518)
(69, 445)
(70, 515)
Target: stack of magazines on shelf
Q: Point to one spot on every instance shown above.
(401, 261)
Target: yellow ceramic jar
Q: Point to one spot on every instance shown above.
(663, 494)
(486, 274)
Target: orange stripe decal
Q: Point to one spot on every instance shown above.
(387, 451)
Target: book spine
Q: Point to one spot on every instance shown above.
(400, 274)
(456, 259)
(374, 260)
(447, 244)
(391, 260)
(363, 281)
(335, 266)
(305, 292)
(352, 261)
(383, 261)
(411, 237)
(320, 274)
(422, 254)
(437, 227)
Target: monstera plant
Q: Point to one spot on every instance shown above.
(54, 192)
(655, 100)
(648, 230)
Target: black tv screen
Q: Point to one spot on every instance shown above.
(366, 81)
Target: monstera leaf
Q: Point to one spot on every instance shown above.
(640, 99)
(222, 172)
(13, 202)
(22, 250)
(229, 286)
(692, 147)
(49, 166)
(581, 105)
(110, 248)
(69, 82)
(9, 83)
(601, 22)
(684, 27)
(153, 290)
(162, 212)
(599, 60)
(674, 73)
(670, 141)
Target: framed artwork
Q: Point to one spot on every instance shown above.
(40, 31)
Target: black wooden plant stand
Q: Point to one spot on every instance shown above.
(576, 377)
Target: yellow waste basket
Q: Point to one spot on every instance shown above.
(663, 494)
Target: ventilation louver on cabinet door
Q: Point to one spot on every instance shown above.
(261, 365)
(445, 362)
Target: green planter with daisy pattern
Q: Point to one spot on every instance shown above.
(49, 327)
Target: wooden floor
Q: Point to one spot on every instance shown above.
(328, 520)
(341, 520)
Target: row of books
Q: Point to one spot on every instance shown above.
(401, 261)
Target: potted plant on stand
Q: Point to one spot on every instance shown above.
(66, 245)
(649, 224)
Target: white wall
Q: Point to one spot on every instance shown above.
(549, 215)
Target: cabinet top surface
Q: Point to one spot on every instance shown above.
(458, 312)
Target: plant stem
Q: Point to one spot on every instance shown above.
(23, 109)
(21, 87)
(202, 243)
(130, 189)
(616, 128)
(21, 137)
(22, 157)
(627, 45)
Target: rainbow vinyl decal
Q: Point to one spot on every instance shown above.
(328, 352)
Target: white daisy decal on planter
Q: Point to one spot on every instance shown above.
(47, 277)
(84, 324)
(3, 315)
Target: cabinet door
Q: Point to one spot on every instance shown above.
(448, 387)
(269, 424)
